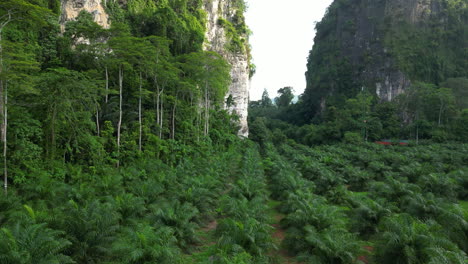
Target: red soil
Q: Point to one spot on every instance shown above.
(365, 259)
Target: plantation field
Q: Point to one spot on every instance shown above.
(271, 204)
(372, 203)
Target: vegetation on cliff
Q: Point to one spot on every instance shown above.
(381, 47)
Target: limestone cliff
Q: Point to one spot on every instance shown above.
(382, 46)
(71, 8)
(222, 17)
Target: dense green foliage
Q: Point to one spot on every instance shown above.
(358, 201)
(423, 112)
(143, 88)
(394, 204)
(117, 150)
(115, 140)
(146, 213)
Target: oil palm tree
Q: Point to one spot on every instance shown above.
(332, 245)
(27, 243)
(404, 240)
(91, 228)
(146, 244)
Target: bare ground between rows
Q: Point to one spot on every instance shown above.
(280, 255)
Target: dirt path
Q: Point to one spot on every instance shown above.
(206, 234)
(280, 255)
(365, 259)
(210, 227)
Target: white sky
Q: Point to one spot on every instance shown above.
(283, 35)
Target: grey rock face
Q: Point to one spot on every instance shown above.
(216, 40)
(72, 8)
(358, 32)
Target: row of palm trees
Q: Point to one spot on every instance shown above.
(146, 213)
(402, 203)
(316, 230)
(243, 232)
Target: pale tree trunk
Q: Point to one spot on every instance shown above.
(2, 126)
(198, 126)
(173, 118)
(191, 107)
(161, 112)
(2, 107)
(139, 117)
(4, 21)
(366, 135)
(207, 112)
(52, 139)
(157, 100)
(157, 107)
(119, 125)
(440, 111)
(199, 117)
(98, 129)
(5, 125)
(208, 107)
(107, 85)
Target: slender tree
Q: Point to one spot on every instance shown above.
(11, 11)
(210, 72)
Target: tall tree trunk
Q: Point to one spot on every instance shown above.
(173, 118)
(98, 129)
(2, 126)
(107, 85)
(1, 52)
(161, 111)
(440, 111)
(119, 125)
(157, 105)
(5, 142)
(199, 116)
(52, 133)
(365, 133)
(207, 112)
(208, 117)
(3, 130)
(2, 107)
(155, 79)
(139, 116)
(417, 134)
